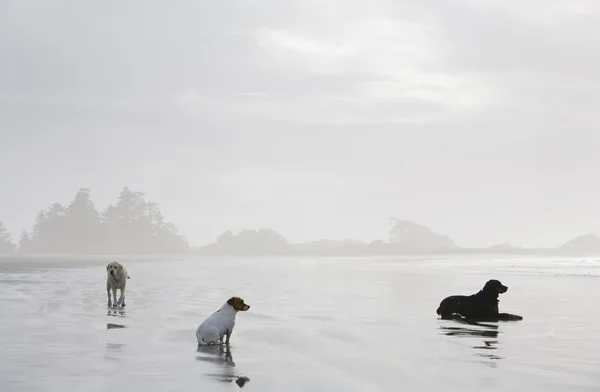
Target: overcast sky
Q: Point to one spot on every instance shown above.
(319, 119)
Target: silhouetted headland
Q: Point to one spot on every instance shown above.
(406, 238)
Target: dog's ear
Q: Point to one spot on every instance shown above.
(498, 285)
(490, 286)
(107, 266)
(231, 301)
(493, 286)
(120, 267)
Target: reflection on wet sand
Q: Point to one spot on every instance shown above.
(488, 332)
(221, 356)
(115, 313)
(218, 353)
(113, 351)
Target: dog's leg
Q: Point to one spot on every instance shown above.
(228, 336)
(509, 317)
(122, 297)
(108, 293)
(114, 294)
(450, 316)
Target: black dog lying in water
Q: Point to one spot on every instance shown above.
(482, 306)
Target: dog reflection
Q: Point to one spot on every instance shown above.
(113, 351)
(114, 326)
(115, 313)
(488, 332)
(221, 356)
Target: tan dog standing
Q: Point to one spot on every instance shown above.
(116, 279)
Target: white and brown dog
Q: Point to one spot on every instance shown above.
(116, 279)
(220, 323)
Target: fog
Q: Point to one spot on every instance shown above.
(314, 119)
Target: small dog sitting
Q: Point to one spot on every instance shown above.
(221, 323)
(116, 278)
(482, 306)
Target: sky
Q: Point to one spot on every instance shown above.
(318, 119)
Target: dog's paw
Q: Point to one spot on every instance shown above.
(123, 305)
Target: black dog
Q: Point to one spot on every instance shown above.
(480, 306)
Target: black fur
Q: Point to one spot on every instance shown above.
(480, 306)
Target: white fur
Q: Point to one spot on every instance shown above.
(116, 279)
(217, 325)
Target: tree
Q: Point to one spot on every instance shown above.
(55, 212)
(82, 224)
(25, 244)
(48, 233)
(134, 225)
(6, 243)
(39, 232)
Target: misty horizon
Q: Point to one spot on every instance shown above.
(477, 119)
(135, 224)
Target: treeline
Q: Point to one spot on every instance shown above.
(406, 237)
(262, 241)
(132, 225)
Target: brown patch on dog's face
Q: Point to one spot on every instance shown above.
(238, 304)
(495, 286)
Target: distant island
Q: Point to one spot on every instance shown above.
(406, 238)
(136, 226)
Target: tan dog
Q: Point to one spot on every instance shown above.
(220, 323)
(116, 279)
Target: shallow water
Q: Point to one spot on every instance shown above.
(314, 325)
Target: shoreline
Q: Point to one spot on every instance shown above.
(49, 260)
(74, 260)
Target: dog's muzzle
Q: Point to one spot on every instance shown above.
(246, 307)
(503, 289)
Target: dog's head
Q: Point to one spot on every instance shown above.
(238, 304)
(114, 268)
(494, 287)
